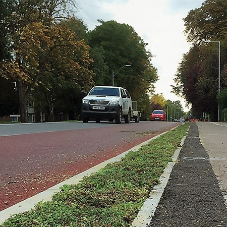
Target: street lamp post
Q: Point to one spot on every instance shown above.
(219, 71)
(115, 73)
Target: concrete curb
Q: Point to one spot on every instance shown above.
(148, 209)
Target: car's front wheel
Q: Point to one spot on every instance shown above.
(118, 118)
(85, 119)
(127, 117)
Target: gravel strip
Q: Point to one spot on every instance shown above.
(192, 196)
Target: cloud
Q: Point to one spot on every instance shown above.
(161, 32)
(92, 11)
(183, 6)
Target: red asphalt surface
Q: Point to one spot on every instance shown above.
(32, 163)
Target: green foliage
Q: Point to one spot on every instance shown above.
(77, 27)
(6, 8)
(207, 22)
(99, 66)
(111, 197)
(197, 76)
(197, 79)
(115, 45)
(65, 73)
(224, 115)
(144, 106)
(222, 100)
(48, 53)
(174, 110)
(158, 102)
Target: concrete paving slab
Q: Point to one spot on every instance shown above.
(213, 136)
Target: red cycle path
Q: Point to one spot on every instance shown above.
(31, 163)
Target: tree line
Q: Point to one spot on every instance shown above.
(197, 77)
(49, 58)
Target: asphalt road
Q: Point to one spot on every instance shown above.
(29, 128)
(34, 157)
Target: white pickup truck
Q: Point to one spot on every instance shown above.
(108, 103)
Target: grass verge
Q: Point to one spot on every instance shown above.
(111, 197)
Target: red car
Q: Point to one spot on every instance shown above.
(158, 115)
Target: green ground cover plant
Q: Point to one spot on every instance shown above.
(113, 196)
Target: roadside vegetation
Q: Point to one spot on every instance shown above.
(112, 196)
(197, 78)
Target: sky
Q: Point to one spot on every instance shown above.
(158, 22)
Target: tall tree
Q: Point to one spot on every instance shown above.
(197, 80)
(44, 50)
(197, 76)
(69, 62)
(157, 102)
(174, 110)
(207, 22)
(117, 45)
(7, 93)
(6, 8)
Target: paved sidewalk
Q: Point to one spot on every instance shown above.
(193, 196)
(214, 139)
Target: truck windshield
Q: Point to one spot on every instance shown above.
(105, 91)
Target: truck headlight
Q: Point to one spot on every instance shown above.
(114, 102)
(85, 101)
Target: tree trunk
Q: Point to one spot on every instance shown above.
(23, 102)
